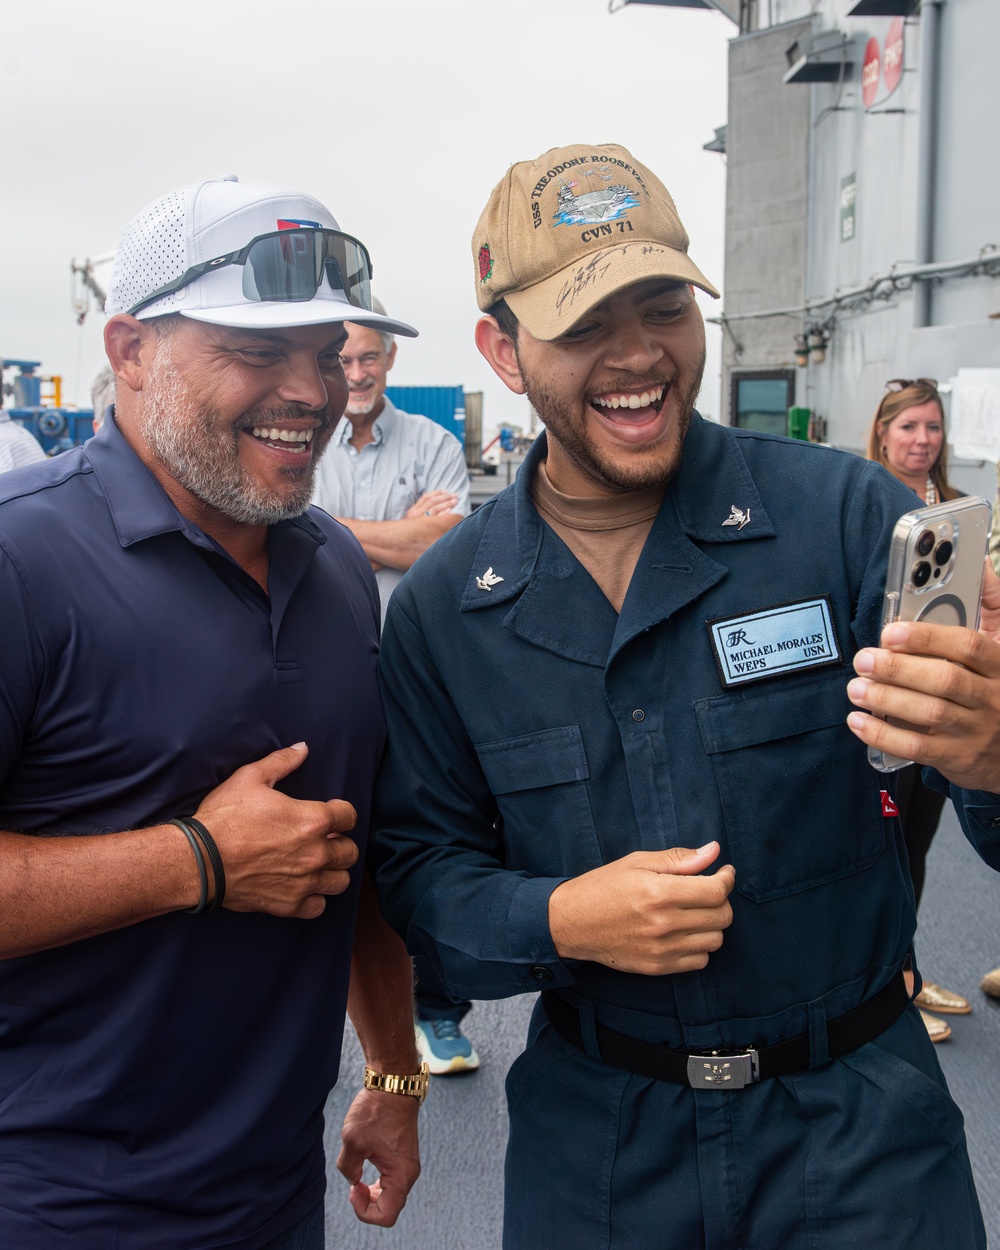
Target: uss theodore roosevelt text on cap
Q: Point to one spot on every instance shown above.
(565, 231)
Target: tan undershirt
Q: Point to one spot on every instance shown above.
(605, 533)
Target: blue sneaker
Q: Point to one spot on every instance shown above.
(445, 1047)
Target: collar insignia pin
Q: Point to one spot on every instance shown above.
(488, 580)
(737, 517)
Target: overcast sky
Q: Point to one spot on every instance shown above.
(399, 115)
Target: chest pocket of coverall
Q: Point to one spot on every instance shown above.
(801, 808)
(539, 781)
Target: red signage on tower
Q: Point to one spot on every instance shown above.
(892, 60)
(870, 73)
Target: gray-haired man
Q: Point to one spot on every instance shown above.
(396, 479)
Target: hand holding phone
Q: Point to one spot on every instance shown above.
(935, 574)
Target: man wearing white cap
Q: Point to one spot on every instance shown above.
(189, 729)
(645, 646)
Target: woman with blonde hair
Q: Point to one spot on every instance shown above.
(908, 438)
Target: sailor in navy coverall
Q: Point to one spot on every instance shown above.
(537, 735)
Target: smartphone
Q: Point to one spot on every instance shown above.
(936, 563)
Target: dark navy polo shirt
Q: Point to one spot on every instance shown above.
(163, 1085)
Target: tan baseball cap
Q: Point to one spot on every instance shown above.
(563, 232)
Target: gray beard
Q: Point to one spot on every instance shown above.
(200, 451)
(360, 407)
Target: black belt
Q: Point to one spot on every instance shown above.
(714, 1069)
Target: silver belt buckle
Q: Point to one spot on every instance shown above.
(716, 1071)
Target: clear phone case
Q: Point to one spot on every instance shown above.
(935, 574)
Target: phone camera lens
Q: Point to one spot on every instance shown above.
(943, 553)
(925, 542)
(921, 573)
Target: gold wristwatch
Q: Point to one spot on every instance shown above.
(414, 1085)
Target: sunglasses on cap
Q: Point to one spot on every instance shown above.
(289, 265)
(900, 384)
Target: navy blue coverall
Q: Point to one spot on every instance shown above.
(535, 734)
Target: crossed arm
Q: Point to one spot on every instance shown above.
(397, 544)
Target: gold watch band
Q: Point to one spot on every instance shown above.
(413, 1085)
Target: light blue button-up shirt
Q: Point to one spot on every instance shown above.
(409, 456)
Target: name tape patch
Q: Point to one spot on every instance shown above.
(774, 640)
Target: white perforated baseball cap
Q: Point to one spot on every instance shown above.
(214, 219)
